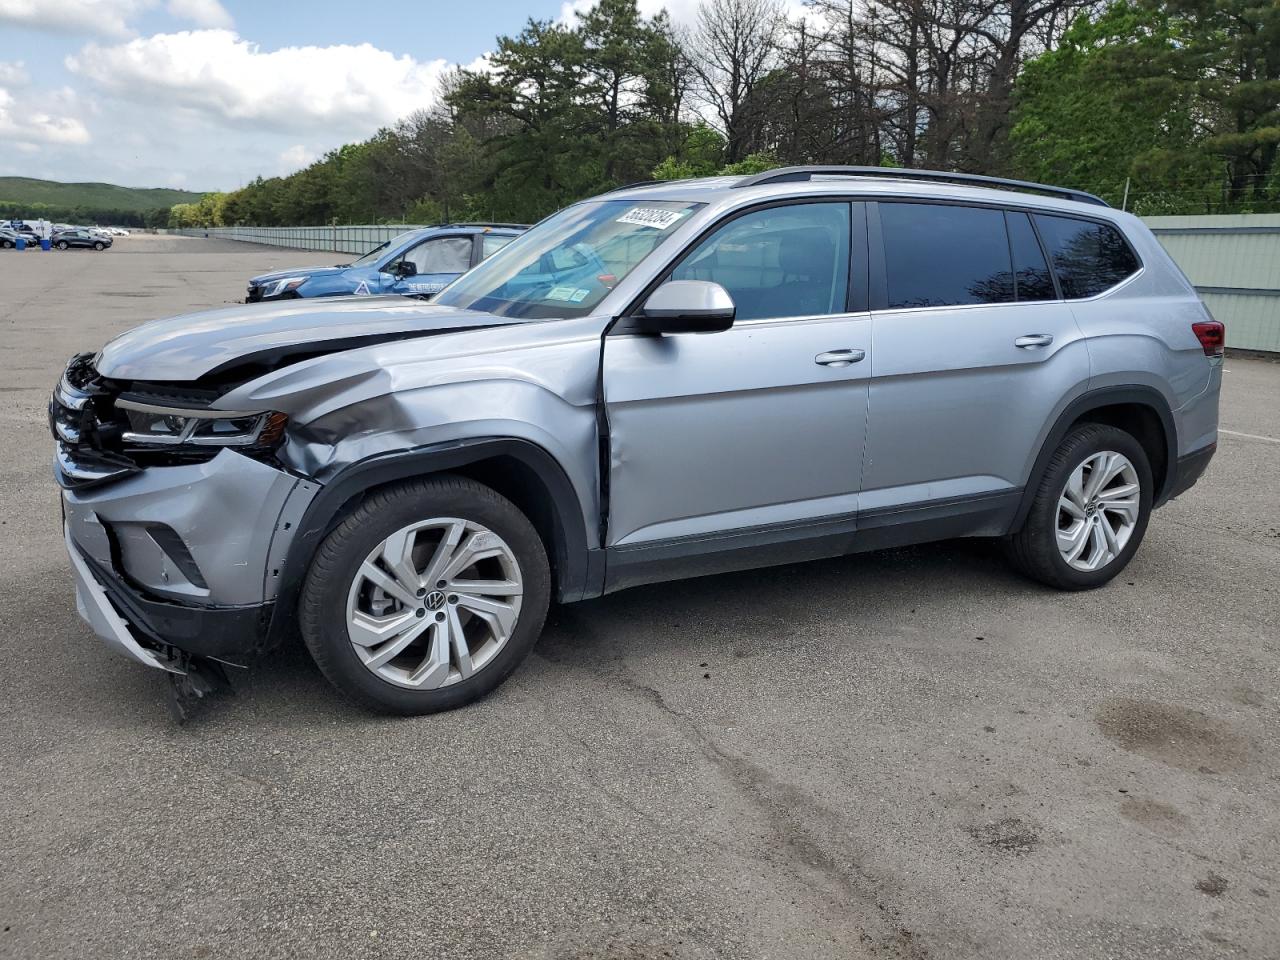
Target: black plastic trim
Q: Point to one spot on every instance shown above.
(1093, 400)
(1190, 469)
(577, 578)
(234, 634)
(985, 515)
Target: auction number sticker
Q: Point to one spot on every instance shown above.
(651, 217)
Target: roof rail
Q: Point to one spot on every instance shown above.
(638, 183)
(794, 174)
(483, 223)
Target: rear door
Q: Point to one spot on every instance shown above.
(974, 351)
(757, 431)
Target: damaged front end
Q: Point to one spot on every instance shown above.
(175, 517)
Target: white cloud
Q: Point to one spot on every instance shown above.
(40, 119)
(105, 18)
(295, 158)
(203, 13)
(343, 91)
(13, 74)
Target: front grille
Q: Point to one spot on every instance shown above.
(76, 409)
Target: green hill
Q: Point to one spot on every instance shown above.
(19, 191)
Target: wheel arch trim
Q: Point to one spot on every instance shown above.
(579, 574)
(1137, 395)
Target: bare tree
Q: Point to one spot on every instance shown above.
(732, 48)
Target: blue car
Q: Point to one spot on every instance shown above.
(418, 263)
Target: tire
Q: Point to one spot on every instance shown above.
(339, 599)
(99, 246)
(5, 244)
(1052, 531)
(62, 244)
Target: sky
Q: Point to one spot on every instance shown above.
(208, 94)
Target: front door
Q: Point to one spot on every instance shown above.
(437, 261)
(721, 443)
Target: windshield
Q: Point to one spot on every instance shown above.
(376, 253)
(567, 264)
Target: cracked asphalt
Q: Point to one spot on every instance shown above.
(907, 754)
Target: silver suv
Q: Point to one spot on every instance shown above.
(669, 380)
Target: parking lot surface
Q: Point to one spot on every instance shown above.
(906, 754)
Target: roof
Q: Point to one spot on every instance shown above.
(882, 181)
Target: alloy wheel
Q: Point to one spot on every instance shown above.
(1098, 510)
(434, 603)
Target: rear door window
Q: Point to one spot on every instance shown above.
(943, 255)
(1088, 257)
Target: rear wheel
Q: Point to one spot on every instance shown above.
(426, 597)
(62, 244)
(1090, 510)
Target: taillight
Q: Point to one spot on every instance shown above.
(1212, 335)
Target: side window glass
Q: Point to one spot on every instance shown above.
(1088, 257)
(942, 255)
(789, 261)
(446, 255)
(489, 245)
(1031, 271)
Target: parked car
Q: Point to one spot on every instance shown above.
(9, 238)
(118, 231)
(664, 381)
(81, 237)
(25, 230)
(416, 263)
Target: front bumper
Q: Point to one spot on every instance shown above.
(183, 558)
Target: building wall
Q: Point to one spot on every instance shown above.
(1234, 262)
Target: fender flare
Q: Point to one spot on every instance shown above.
(1144, 396)
(580, 573)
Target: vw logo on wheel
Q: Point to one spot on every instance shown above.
(435, 600)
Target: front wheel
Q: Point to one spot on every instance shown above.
(99, 247)
(426, 596)
(1090, 510)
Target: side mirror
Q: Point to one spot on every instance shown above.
(686, 306)
(405, 268)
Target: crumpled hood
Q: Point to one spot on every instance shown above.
(296, 272)
(183, 349)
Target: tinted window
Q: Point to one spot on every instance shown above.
(939, 255)
(1031, 272)
(790, 261)
(1088, 257)
(446, 255)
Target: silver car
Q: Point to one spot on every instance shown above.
(670, 380)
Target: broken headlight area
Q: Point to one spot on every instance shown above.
(147, 425)
(108, 429)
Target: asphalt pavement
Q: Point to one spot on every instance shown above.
(906, 754)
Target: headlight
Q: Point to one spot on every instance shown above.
(273, 288)
(151, 425)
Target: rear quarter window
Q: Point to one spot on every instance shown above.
(1089, 258)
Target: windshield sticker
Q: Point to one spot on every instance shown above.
(571, 294)
(651, 217)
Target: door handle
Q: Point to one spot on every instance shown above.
(1034, 340)
(839, 358)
